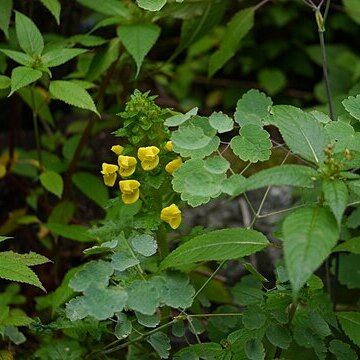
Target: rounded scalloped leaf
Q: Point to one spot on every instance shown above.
(199, 153)
(217, 165)
(190, 138)
(179, 119)
(253, 144)
(221, 122)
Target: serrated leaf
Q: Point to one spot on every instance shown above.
(93, 273)
(161, 343)
(179, 119)
(216, 245)
(190, 138)
(253, 144)
(144, 244)
(252, 108)
(107, 7)
(121, 261)
(236, 29)
(72, 94)
(58, 57)
(76, 309)
(92, 187)
(5, 15)
(123, 326)
(29, 36)
(16, 271)
(19, 57)
(350, 323)
(29, 259)
(303, 134)
(309, 236)
(352, 106)
(147, 320)
(221, 122)
(254, 349)
(138, 39)
(336, 196)
(16, 317)
(279, 336)
(253, 318)
(73, 232)
(22, 76)
(143, 297)
(341, 350)
(342, 136)
(352, 245)
(290, 175)
(52, 182)
(54, 7)
(204, 350)
(151, 5)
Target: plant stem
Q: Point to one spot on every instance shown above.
(37, 138)
(183, 317)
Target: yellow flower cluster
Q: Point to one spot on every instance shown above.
(130, 192)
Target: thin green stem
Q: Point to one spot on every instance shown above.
(183, 317)
(37, 139)
(327, 8)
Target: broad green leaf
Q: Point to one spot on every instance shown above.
(29, 36)
(341, 350)
(147, 320)
(138, 39)
(144, 244)
(204, 350)
(318, 324)
(272, 80)
(253, 108)
(179, 119)
(336, 196)
(352, 106)
(54, 7)
(17, 317)
(76, 309)
(221, 122)
(73, 232)
(58, 57)
(22, 76)
(16, 336)
(52, 182)
(93, 273)
(62, 213)
(352, 8)
(151, 5)
(343, 136)
(5, 82)
(121, 261)
(236, 29)
(72, 94)
(107, 7)
(123, 326)
(143, 297)
(253, 144)
(253, 318)
(352, 245)
(216, 245)
(279, 336)
(190, 138)
(289, 175)
(16, 271)
(309, 236)
(348, 270)
(161, 343)
(19, 57)
(350, 323)
(87, 40)
(303, 134)
(29, 259)
(92, 187)
(105, 247)
(5, 15)
(254, 349)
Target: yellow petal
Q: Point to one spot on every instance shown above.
(175, 221)
(109, 169)
(131, 198)
(2, 170)
(148, 165)
(117, 149)
(169, 146)
(148, 153)
(128, 186)
(109, 179)
(172, 215)
(127, 165)
(173, 165)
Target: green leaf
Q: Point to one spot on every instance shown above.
(341, 350)
(253, 318)
(123, 326)
(17, 317)
(16, 271)
(73, 232)
(151, 5)
(93, 273)
(348, 270)
(350, 323)
(253, 144)
(144, 244)
(92, 187)
(107, 7)
(5, 15)
(138, 39)
(336, 196)
(204, 350)
(248, 291)
(58, 57)
(52, 182)
(179, 119)
(54, 7)
(221, 122)
(289, 175)
(161, 343)
(22, 76)
(143, 297)
(147, 320)
(309, 236)
(3, 238)
(303, 134)
(352, 8)
(5, 82)
(72, 94)
(279, 336)
(190, 138)
(216, 245)
(352, 106)
(19, 57)
(62, 213)
(29, 36)
(236, 29)
(121, 261)
(254, 349)
(30, 259)
(342, 136)
(272, 80)
(352, 245)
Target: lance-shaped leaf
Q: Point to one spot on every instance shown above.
(151, 5)
(303, 134)
(107, 7)
(22, 76)
(5, 15)
(138, 39)
(54, 7)
(60, 56)
(217, 245)
(19, 57)
(309, 236)
(350, 322)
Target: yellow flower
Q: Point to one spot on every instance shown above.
(168, 146)
(109, 173)
(149, 157)
(127, 165)
(173, 165)
(171, 215)
(2, 170)
(117, 149)
(129, 191)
